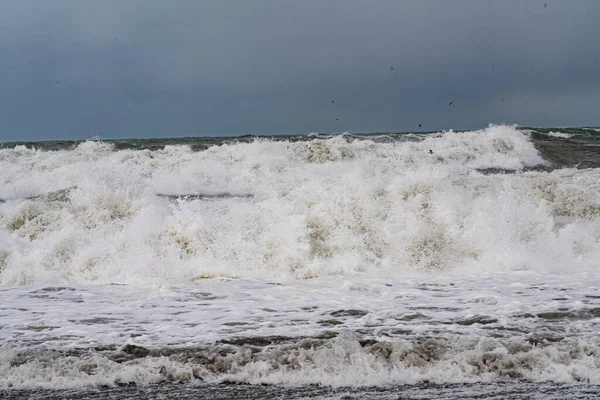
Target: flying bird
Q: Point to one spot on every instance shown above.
(450, 103)
(419, 125)
(332, 101)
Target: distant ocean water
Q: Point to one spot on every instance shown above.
(394, 264)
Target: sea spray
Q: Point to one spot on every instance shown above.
(299, 210)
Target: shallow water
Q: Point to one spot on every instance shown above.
(528, 391)
(537, 327)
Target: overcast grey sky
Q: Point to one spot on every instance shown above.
(158, 68)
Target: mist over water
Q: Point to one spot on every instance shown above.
(446, 257)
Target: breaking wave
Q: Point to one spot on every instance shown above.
(288, 210)
(341, 361)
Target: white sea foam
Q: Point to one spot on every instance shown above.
(341, 241)
(388, 331)
(342, 363)
(561, 135)
(319, 208)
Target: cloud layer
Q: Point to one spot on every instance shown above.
(147, 68)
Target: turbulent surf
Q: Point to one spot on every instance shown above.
(342, 260)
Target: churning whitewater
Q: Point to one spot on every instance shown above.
(339, 260)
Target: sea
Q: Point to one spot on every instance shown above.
(455, 264)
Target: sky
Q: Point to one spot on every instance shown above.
(76, 69)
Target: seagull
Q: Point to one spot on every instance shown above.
(450, 103)
(430, 151)
(332, 101)
(419, 125)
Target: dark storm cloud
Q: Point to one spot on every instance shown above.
(75, 69)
